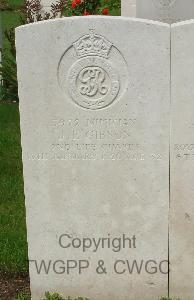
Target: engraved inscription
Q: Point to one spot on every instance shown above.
(184, 152)
(90, 138)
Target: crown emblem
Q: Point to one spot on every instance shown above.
(166, 3)
(92, 44)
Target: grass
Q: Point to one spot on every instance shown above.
(22, 296)
(15, 2)
(13, 245)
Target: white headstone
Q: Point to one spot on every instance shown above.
(169, 11)
(182, 162)
(128, 8)
(94, 105)
(46, 4)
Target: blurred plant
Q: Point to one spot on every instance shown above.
(28, 13)
(89, 7)
(4, 5)
(8, 73)
(48, 296)
(166, 298)
(56, 296)
(22, 296)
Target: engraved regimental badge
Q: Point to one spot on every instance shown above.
(89, 72)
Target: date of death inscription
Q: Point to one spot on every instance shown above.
(110, 138)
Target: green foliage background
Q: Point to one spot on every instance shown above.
(9, 19)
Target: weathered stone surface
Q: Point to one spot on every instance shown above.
(94, 105)
(169, 11)
(182, 162)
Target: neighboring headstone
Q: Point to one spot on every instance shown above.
(182, 163)
(94, 105)
(128, 8)
(169, 11)
(46, 4)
